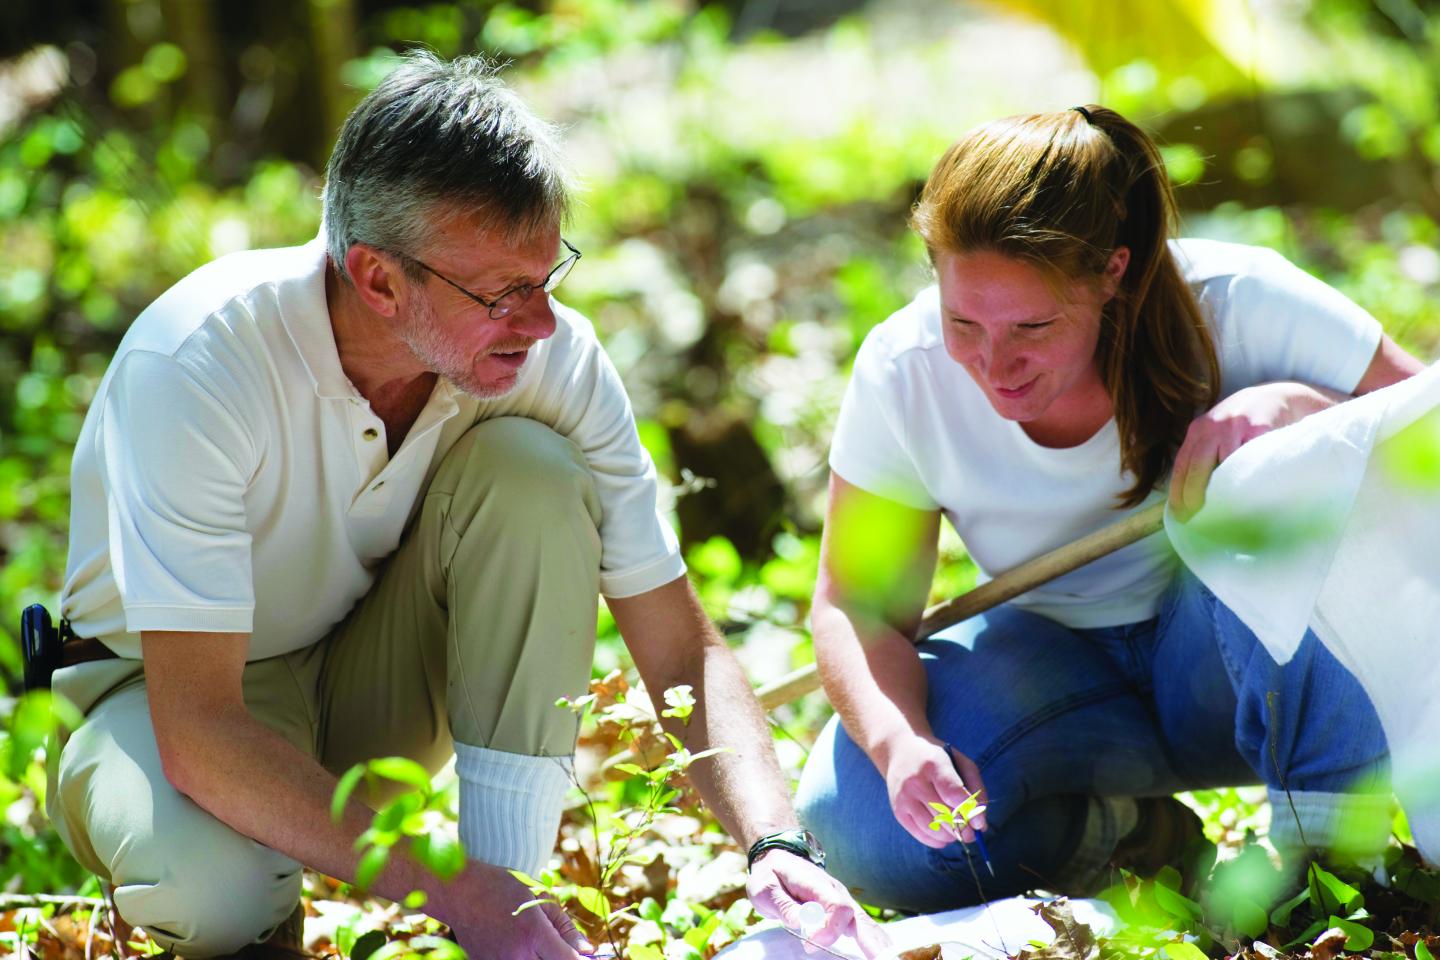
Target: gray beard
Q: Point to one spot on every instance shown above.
(427, 343)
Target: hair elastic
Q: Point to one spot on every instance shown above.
(1084, 113)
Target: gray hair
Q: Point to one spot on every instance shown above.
(440, 133)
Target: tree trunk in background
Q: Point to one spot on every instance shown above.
(333, 32)
(190, 25)
(746, 502)
(1308, 158)
(117, 45)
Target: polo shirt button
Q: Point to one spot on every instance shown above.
(370, 433)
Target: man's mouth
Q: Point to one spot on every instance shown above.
(512, 358)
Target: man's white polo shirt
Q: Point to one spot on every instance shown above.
(229, 478)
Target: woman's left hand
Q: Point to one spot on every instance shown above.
(1231, 423)
(780, 882)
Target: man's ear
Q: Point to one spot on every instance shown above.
(375, 276)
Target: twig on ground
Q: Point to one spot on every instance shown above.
(15, 901)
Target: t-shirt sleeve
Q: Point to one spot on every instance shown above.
(580, 395)
(869, 449)
(173, 468)
(1282, 323)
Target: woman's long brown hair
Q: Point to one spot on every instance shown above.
(1062, 191)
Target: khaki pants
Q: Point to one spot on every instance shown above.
(484, 616)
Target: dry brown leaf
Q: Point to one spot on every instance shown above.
(1073, 939)
(1330, 944)
(931, 952)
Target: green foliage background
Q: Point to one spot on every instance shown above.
(743, 221)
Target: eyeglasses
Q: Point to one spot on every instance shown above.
(517, 296)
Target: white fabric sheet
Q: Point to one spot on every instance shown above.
(986, 933)
(1334, 523)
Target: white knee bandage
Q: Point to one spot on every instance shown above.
(510, 805)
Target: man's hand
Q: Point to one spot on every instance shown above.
(780, 882)
(920, 771)
(479, 905)
(1231, 423)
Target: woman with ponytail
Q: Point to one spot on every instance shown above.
(1072, 364)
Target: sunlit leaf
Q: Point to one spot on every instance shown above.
(528, 880)
(344, 789)
(715, 559)
(1280, 916)
(372, 861)
(441, 853)
(1412, 456)
(1176, 904)
(594, 901)
(1330, 894)
(1250, 919)
(1357, 936)
(402, 770)
(1184, 951)
(530, 904)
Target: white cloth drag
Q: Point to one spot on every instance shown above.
(1333, 523)
(986, 933)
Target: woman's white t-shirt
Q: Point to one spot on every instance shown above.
(915, 428)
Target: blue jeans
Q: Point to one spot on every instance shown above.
(1057, 717)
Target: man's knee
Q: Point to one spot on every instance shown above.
(519, 466)
(208, 900)
(194, 884)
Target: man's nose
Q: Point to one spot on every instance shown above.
(535, 318)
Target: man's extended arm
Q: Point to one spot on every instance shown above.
(673, 644)
(252, 779)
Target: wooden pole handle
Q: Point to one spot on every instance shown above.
(1007, 586)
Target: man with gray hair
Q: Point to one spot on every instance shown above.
(358, 499)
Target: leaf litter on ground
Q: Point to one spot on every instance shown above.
(683, 882)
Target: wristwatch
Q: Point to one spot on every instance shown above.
(802, 843)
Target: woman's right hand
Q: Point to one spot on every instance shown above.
(919, 771)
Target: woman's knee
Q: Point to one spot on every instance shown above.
(1008, 689)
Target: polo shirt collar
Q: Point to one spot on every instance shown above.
(306, 316)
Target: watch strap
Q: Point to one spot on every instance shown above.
(799, 842)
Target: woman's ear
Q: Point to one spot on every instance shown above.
(1114, 271)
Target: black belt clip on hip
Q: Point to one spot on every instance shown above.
(40, 644)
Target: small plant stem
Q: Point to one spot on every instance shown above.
(90, 932)
(12, 901)
(984, 901)
(599, 863)
(1270, 698)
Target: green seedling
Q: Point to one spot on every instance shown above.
(958, 817)
(616, 841)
